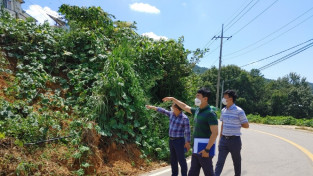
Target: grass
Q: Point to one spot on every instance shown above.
(280, 120)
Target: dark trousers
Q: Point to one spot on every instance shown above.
(178, 155)
(197, 161)
(231, 145)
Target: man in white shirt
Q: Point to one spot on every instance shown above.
(233, 118)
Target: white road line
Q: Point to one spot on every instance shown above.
(166, 170)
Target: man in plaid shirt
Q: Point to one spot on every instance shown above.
(179, 128)
(205, 126)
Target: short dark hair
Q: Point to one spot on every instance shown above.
(204, 92)
(176, 106)
(232, 94)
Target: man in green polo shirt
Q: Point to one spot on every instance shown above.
(205, 126)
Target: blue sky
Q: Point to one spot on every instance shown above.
(262, 29)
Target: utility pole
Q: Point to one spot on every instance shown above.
(219, 66)
(222, 93)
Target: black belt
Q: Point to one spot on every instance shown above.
(174, 138)
(230, 137)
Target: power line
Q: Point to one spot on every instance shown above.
(239, 13)
(211, 52)
(287, 56)
(210, 42)
(235, 18)
(270, 33)
(276, 53)
(214, 61)
(272, 38)
(255, 17)
(215, 49)
(242, 15)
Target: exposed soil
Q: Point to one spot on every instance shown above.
(106, 158)
(57, 158)
(4, 79)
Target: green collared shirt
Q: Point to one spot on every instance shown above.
(203, 118)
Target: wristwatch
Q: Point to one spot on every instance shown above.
(207, 150)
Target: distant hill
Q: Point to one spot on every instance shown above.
(199, 70)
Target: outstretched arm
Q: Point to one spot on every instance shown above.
(151, 107)
(160, 110)
(179, 103)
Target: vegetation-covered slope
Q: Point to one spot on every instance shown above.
(87, 86)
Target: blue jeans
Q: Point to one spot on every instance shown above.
(178, 155)
(197, 161)
(232, 146)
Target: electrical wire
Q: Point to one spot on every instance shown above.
(276, 53)
(286, 56)
(252, 20)
(226, 29)
(256, 17)
(226, 24)
(271, 39)
(284, 26)
(214, 61)
(210, 42)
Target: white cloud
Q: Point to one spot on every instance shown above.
(154, 36)
(184, 4)
(40, 14)
(146, 8)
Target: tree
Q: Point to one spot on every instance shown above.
(290, 95)
(93, 18)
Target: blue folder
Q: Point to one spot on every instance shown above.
(200, 144)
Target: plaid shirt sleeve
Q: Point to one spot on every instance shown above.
(164, 111)
(187, 129)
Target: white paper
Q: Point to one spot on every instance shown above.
(197, 141)
(202, 142)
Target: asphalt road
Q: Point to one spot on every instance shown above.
(268, 151)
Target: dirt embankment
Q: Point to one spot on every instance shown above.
(106, 158)
(57, 158)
